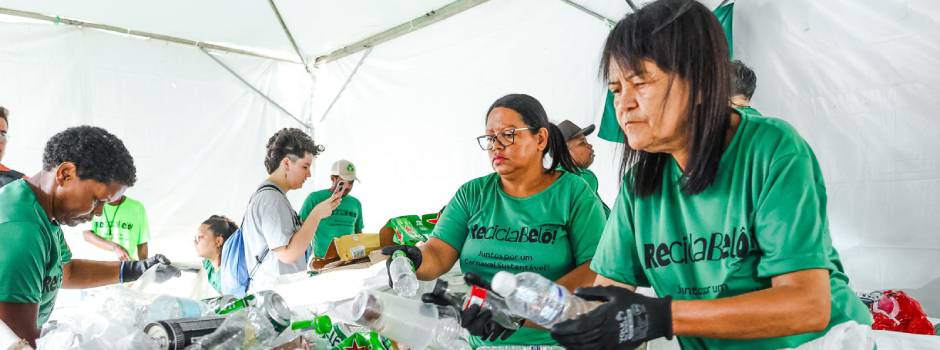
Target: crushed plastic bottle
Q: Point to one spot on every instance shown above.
(538, 299)
(255, 325)
(402, 272)
(462, 296)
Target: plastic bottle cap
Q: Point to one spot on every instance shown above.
(323, 324)
(504, 283)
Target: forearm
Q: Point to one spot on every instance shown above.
(581, 276)
(434, 261)
(774, 312)
(99, 242)
(296, 248)
(79, 274)
(142, 251)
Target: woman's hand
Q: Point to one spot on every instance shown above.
(325, 208)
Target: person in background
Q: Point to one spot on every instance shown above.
(210, 237)
(743, 85)
(275, 237)
(7, 175)
(121, 228)
(722, 212)
(522, 217)
(582, 153)
(346, 218)
(82, 169)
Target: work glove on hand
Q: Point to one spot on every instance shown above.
(624, 321)
(475, 319)
(132, 270)
(411, 252)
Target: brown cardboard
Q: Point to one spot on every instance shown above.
(351, 248)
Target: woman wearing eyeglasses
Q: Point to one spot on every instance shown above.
(523, 217)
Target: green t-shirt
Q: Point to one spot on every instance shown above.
(124, 224)
(549, 233)
(33, 251)
(764, 216)
(346, 219)
(588, 176)
(215, 279)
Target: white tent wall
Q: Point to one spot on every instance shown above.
(854, 77)
(858, 79)
(410, 115)
(197, 134)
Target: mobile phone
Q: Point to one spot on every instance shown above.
(340, 186)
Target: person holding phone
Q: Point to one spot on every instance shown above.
(346, 218)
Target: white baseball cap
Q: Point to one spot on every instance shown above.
(344, 169)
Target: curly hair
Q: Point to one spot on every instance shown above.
(97, 154)
(221, 226)
(289, 142)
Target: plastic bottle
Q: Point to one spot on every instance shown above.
(402, 272)
(410, 322)
(538, 299)
(167, 307)
(253, 325)
(462, 296)
(522, 347)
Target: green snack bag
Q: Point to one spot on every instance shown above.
(411, 229)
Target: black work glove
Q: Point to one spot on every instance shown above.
(624, 321)
(477, 321)
(132, 270)
(412, 252)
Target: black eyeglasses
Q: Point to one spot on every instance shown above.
(505, 138)
(3, 136)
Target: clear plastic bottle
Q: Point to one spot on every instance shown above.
(252, 326)
(538, 299)
(462, 296)
(409, 322)
(167, 307)
(402, 272)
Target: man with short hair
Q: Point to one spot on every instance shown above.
(82, 169)
(7, 175)
(346, 218)
(121, 228)
(743, 85)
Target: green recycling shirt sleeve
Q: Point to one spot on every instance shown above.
(790, 224)
(144, 227)
(452, 226)
(616, 256)
(586, 225)
(359, 224)
(22, 263)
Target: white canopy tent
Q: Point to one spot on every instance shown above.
(856, 78)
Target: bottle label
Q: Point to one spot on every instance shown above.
(477, 296)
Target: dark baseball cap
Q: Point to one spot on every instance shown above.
(571, 130)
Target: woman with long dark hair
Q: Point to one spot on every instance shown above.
(523, 217)
(721, 211)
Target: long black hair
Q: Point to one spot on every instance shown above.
(221, 226)
(533, 114)
(685, 39)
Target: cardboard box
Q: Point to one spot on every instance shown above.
(350, 249)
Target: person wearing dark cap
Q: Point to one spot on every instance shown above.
(582, 152)
(743, 85)
(7, 175)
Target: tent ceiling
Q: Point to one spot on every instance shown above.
(319, 27)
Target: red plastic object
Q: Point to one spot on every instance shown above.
(897, 311)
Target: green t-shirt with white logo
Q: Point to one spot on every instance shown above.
(549, 233)
(124, 224)
(764, 216)
(215, 279)
(33, 251)
(346, 219)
